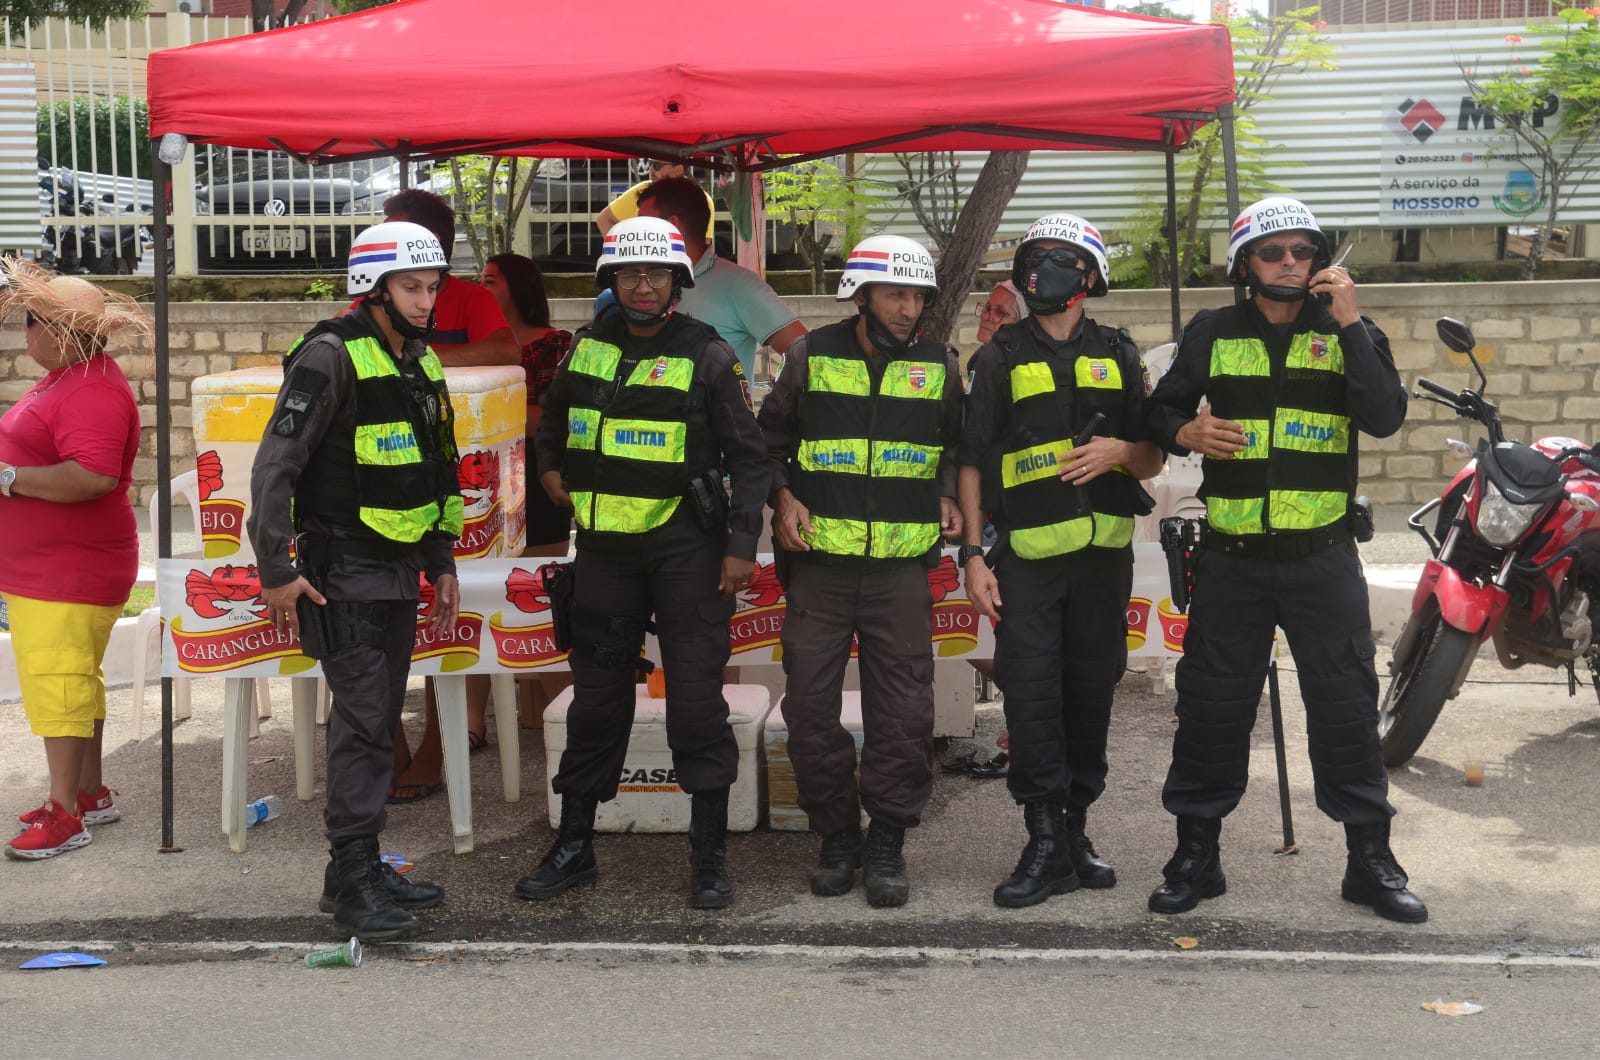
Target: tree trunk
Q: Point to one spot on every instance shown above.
(1541, 238)
(975, 228)
(291, 12)
(260, 15)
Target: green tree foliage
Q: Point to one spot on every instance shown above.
(1552, 108)
(107, 135)
(1263, 50)
(819, 201)
(24, 13)
(489, 193)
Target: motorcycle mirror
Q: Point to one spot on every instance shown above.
(1460, 448)
(1583, 502)
(1455, 334)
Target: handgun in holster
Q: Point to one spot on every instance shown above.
(557, 580)
(316, 637)
(1361, 519)
(709, 499)
(1180, 540)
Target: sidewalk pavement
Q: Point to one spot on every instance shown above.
(1506, 867)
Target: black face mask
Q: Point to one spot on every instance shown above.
(1050, 287)
(1275, 293)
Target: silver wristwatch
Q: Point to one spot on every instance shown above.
(7, 477)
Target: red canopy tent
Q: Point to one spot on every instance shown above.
(642, 77)
(727, 83)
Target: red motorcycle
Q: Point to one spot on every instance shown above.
(1519, 563)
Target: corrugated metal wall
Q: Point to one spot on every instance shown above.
(1324, 128)
(19, 172)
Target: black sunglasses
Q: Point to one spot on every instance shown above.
(1274, 253)
(1062, 256)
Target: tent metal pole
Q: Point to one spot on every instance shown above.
(1172, 243)
(162, 174)
(1230, 170)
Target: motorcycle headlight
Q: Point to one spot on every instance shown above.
(1500, 522)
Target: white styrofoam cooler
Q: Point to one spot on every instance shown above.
(783, 809)
(649, 798)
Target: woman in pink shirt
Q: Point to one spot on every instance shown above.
(67, 535)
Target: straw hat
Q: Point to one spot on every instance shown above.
(81, 316)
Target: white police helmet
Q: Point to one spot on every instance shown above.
(1073, 230)
(889, 260)
(644, 241)
(394, 246)
(1269, 217)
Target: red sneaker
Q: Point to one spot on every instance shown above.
(94, 809)
(55, 832)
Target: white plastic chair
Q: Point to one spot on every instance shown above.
(147, 633)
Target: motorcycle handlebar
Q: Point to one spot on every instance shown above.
(1434, 388)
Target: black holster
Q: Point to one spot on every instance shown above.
(1181, 540)
(557, 579)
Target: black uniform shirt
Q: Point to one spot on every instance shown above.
(780, 415)
(732, 424)
(322, 373)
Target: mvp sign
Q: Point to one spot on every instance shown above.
(1446, 161)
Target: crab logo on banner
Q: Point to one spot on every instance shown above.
(955, 621)
(758, 623)
(221, 518)
(530, 645)
(456, 648)
(222, 626)
(485, 525)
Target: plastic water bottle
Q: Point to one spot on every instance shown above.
(263, 810)
(5, 616)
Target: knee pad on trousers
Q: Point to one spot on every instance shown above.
(611, 642)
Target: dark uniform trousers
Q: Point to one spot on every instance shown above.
(672, 572)
(367, 678)
(887, 606)
(1060, 649)
(1320, 601)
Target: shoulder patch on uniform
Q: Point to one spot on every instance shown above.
(744, 385)
(302, 392)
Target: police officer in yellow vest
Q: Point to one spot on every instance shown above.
(1063, 565)
(1272, 392)
(648, 412)
(362, 444)
(861, 425)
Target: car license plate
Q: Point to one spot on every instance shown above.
(273, 240)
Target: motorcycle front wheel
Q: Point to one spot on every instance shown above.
(1421, 685)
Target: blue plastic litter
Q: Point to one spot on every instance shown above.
(62, 960)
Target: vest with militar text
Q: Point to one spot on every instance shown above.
(635, 433)
(1295, 471)
(868, 460)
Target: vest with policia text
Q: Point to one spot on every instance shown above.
(635, 434)
(868, 461)
(1052, 398)
(395, 473)
(1294, 473)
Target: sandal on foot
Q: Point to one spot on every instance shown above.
(477, 741)
(412, 792)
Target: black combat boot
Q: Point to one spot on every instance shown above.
(1374, 878)
(836, 867)
(1046, 865)
(362, 906)
(709, 887)
(1195, 871)
(1093, 870)
(403, 892)
(570, 859)
(883, 869)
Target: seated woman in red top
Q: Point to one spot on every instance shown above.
(68, 536)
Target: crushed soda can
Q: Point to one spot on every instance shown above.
(345, 956)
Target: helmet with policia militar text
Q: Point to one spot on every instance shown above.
(646, 242)
(394, 246)
(893, 260)
(1049, 286)
(1266, 218)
